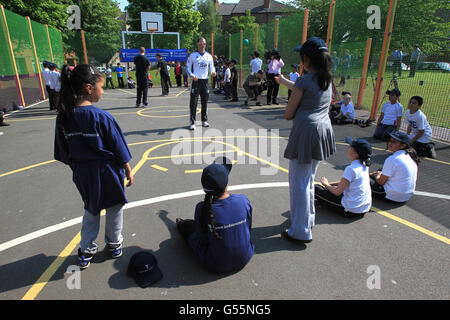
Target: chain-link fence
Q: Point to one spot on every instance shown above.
(24, 44)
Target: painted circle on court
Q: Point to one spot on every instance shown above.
(143, 112)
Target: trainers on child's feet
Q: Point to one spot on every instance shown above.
(205, 124)
(115, 250)
(84, 259)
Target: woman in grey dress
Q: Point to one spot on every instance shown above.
(312, 138)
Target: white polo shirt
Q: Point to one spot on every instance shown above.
(418, 121)
(46, 76)
(391, 112)
(256, 64)
(200, 63)
(55, 82)
(357, 197)
(227, 76)
(402, 173)
(348, 108)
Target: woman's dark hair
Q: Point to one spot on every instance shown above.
(73, 84)
(207, 214)
(322, 64)
(413, 154)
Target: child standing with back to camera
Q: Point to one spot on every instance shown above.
(90, 141)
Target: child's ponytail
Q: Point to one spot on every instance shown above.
(207, 214)
(67, 99)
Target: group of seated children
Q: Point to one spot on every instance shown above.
(418, 128)
(395, 182)
(219, 234)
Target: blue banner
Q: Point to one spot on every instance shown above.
(127, 55)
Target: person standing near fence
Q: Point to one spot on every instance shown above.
(142, 66)
(164, 73)
(109, 77)
(414, 60)
(397, 65)
(274, 69)
(199, 64)
(46, 75)
(178, 73)
(55, 84)
(119, 70)
(312, 138)
(256, 62)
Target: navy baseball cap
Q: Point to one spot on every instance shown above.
(361, 146)
(233, 60)
(215, 176)
(312, 46)
(394, 91)
(400, 136)
(143, 268)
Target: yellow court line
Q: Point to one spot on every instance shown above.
(181, 92)
(160, 168)
(412, 225)
(26, 168)
(193, 171)
(51, 270)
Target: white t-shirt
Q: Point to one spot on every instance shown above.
(348, 108)
(46, 76)
(256, 64)
(418, 121)
(391, 112)
(55, 82)
(200, 62)
(227, 76)
(402, 173)
(109, 73)
(358, 196)
(293, 76)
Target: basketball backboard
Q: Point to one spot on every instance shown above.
(152, 22)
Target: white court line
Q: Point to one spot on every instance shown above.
(70, 223)
(433, 195)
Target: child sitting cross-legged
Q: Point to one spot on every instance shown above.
(351, 196)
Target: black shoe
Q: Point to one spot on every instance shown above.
(84, 259)
(246, 102)
(258, 103)
(269, 104)
(234, 100)
(285, 234)
(275, 103)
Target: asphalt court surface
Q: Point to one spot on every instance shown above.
(41, 212)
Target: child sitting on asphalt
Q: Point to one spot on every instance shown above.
(396, 182)
(419, 129)
(390, 117)
(351, 196)
(347, 111)
(220, 234)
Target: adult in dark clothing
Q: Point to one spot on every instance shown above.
(162, 70)
(142, 66)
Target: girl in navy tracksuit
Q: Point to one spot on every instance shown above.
(91, 142)
(220, 234)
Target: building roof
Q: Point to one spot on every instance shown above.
(255, 6)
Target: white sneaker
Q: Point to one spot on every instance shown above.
(205, 124)
(192, 127)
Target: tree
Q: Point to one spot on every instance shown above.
(246, 22)
(210, 20)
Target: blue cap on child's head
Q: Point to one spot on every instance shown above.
(215, 176)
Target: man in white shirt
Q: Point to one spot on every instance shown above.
(55, 84)
(199, 64)
(390, 117)
(256, 62)
(419, 129)
(46, 75)
(109, 77)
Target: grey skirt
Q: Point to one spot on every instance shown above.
(311, 140)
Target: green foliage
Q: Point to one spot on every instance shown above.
(241, 23)
(210, 20)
